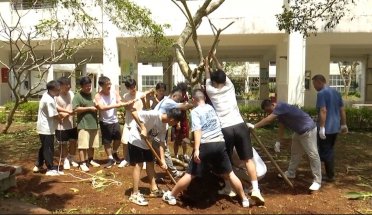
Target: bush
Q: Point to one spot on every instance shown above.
(2, 117)
(8, 106)
(29, 111)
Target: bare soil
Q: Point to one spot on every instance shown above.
(70, 194)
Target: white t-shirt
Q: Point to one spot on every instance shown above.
(108, 116)
(46, 124)
(65, 102)
(152, 121)
(138, 105)
(204, 118)
(224, 102)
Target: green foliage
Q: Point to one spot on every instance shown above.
(8, 106)
(29, 111)
(304, 15)
(2, 117)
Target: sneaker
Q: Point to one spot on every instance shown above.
(245, 203)
(74, 164)
(84, 168)
(178, 174)
(60, 172)
(36, 169)
(287, 174)
(123, 163)
(94, 164)
(144, 165)
(257, 197)
(66, 164)
(327, 179)
(52, 172)
(116, 158)
(138, 199)
(169, 198)
(315, 186)
(156, 193)
(109, 164)
(227, 191)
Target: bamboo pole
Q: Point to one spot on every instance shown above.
(271, 158)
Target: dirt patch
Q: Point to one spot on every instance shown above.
(70, 194)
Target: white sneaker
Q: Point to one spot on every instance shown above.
(315, 186)
(169, 198)
(123, 163)
(74, 164)
(257, 197)
(227, 191)
(84, 167)
(60, 172)
(36, 169)
(66, 164)
(138, 199)
(245, 203)
(144, 165)
(94, 164)
(52, 172)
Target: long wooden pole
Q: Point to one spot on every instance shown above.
(271, 158)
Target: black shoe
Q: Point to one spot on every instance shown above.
(116, 158)
(327, 179)
(109, 164)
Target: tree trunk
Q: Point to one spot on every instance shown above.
(9, 119)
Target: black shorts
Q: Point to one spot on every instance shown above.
(238, 136)
(139, 155)
(212, 155)
(66, 135)
(109, 132)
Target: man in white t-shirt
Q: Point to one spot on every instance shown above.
(152, 123)
(107, 101)
(138, 105)
(221, 92)
(46, 125)
(66, 133)
(209, 149)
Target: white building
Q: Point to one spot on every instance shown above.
(254, 37)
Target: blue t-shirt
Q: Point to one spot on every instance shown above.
(204, 118)
(293, 118)
(332, 101)
(166, 104)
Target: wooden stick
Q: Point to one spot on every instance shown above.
(271, 158)
(157, 157)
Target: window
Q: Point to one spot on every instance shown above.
(150, 81)
(32, 4)
(336, 82)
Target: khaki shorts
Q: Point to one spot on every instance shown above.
(88, 139)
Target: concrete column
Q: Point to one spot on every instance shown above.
(317, 62)
(50, 74)
(128, 63)
(168, 74)
(281, 71)
(264, 79)
(111, 66)
(368, 81)
(296, 68)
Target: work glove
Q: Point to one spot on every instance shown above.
(322, 133)
(344, 129)
(250, 125)
(277, 146)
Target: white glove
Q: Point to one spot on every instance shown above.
(277, 146)
(250, 125)
(344, 129)
(322, 133)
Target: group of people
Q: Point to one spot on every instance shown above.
(219, 131)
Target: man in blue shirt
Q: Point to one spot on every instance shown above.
(303, 139)
(331, 120)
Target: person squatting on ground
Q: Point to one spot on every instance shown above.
(331, 121)
(132, 94)
(47, 119)
(303, 138)
(107, 101)
(221, 92)
(168, 103)
(181, 130)
(151, 123)
(66, 133)
(209, 149)
(87, 123)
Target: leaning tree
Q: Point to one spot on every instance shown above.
(69, 26)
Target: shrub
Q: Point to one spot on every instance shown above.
(29, 111)
(2, 117)
(8, 106)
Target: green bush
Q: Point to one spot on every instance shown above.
(8, 106)
(2, 117)
(29, 111)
